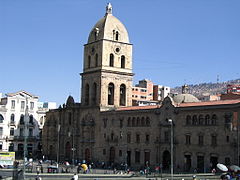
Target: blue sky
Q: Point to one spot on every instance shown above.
(174, 42)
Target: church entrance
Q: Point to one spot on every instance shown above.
(166, 160)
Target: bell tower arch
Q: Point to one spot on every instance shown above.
(107, 65)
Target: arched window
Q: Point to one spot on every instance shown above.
(138, 121)
(12, 118)
(147, 121)
(94, 94)
(143, 121)
(1, 118)
(22, 119)
(200, 119)
(194, 120)
(96, 60)
(117, 36)
(207, 119)
(89, 61)
(87, 94)
(111, 60)
(214, 119)
(111, 94)
(188, 120)
(133, 121)
(122, 61)
(123, 95)
(31, 119)
(11, 147)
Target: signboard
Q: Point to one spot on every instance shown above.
(7, 158)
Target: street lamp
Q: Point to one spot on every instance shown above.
(171, 123)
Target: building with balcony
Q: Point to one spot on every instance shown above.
(20, 116)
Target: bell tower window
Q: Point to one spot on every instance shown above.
(117, 36)
(111, 94)
(96, 60)
(123, 95)
(111, 60)
(89, 61)
(122, 61)
(94, 94)
(87, 94)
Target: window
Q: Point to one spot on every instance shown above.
(120, 153)
(200, 140)
(87, 94)
(22, 119)
(188, 139)
(166, 136)
(133, 121)
(227, 138)
(1, 118)
(1, 145)
(94, 94)
(22, 105)
(207, 119)
(1, 131)
(214, 140)
(111, 60)
(31, 119)
(96, 60)
(31, 105)
(147, 138)
(104, 151)
(30, 133)
(128, 138)
(11, 147)
(194, 120)
(129, 122)
(111, 94)
(214, 119)
(21, 132)
(122, 61)
(89, 62)
(12, 132)
(13, 104)
(137, 138)
(188, 120)
(69, 118)
(200, 119)
(12, 119)
(122, 95)
(137, 156)
(117, 36)
(148, 121)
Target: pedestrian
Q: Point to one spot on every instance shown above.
(75, 177)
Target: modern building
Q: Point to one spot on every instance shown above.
(20, 115)
(160, 92)
(105, 127)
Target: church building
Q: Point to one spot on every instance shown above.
(105, 127)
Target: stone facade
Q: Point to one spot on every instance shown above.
(104, 127)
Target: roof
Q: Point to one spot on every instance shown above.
(138, 108)
(21, 92)
(106, 27)
(185, 98)
(209, 103)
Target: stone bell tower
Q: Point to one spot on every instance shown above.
(107, 68)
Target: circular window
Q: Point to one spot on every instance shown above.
(117, 49)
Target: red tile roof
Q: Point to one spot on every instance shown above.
(209, 103)
(138, 107)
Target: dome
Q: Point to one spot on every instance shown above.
(109, 28)
(185, 98)
(70, 101)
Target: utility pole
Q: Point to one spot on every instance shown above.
(26, 119)
(171, 123)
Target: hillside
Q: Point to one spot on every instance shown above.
(206, 88)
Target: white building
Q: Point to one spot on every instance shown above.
(14, 118)
(160, 92)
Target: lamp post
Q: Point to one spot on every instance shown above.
(171, 123)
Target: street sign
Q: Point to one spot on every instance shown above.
(7, 158)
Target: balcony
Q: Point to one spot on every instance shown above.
(29, 138)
